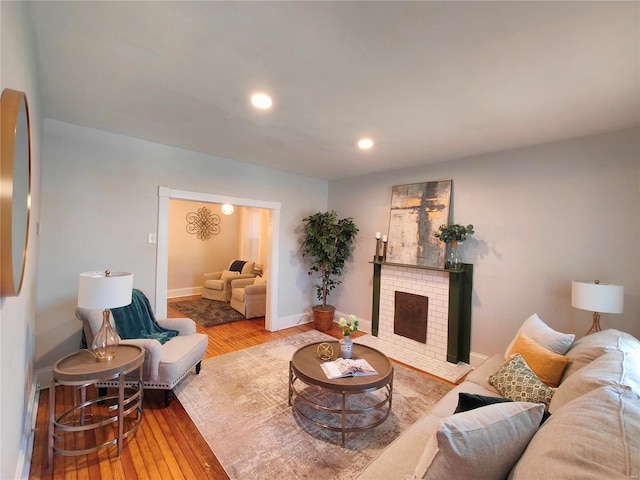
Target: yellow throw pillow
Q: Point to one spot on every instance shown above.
(547, 365)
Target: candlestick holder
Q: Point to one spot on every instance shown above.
(378, 256)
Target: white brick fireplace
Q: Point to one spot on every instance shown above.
(431, 356)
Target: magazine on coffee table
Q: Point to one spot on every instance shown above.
(342, 367)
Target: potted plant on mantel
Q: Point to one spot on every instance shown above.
(326, 242)
(452, 235)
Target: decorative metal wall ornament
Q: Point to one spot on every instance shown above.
(203, 223)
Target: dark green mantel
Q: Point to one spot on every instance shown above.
(460, 288)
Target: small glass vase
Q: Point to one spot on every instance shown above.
(346, 346)
(453, 257)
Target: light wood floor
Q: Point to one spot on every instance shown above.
(167, 445)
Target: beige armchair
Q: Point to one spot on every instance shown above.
(249, 296)
(164, 364)
(217, 285)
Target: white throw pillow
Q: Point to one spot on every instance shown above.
(482, 443)
(538, 331)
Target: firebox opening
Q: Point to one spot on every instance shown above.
(410, 316)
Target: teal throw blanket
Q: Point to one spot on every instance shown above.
(137, 320)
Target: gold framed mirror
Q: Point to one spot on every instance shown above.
(15, 189)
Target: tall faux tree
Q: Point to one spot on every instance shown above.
(327, 242)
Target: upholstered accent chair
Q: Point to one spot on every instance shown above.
(249, 296)
(217, 285)
(164, 364)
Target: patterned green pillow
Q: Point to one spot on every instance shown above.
(517, 382)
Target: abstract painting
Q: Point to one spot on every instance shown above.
(417, 211)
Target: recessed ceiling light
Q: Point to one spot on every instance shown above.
(261, 101)
(365, 143)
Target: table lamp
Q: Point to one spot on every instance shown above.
(598, 298)
(105, 290)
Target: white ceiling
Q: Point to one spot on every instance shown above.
(428, 81)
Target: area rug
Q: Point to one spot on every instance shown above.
(239, 403)
(208, 312)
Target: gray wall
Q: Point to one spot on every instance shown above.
(100, 202)
(17, 314)
(544, 216)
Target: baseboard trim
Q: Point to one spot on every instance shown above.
(476, 359)
(184, 292)
(294, 320)
(43, 377)
(28, 436)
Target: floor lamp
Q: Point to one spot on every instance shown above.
(598, 298)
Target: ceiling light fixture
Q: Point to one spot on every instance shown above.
(365, 143)
(227, 209)
(261, 101)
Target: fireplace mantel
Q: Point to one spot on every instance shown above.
(459, 311)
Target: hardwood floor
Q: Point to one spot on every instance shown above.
(167, 445)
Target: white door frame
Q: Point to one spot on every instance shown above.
(162, 252)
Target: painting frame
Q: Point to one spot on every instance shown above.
(417, 210)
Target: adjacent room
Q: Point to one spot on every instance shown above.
(282, 240)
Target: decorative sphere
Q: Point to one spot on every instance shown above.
(325, 351)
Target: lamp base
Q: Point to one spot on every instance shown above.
(106, 340)
(595, 326)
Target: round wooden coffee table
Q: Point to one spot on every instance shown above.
(305, 370)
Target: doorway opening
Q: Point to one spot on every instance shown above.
(165, 194)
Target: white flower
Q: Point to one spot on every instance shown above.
(348, 327)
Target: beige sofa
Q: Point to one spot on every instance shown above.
(217, 285)
(249, 296)
(593, 431)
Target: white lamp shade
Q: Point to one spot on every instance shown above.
(597, 297)
(99, 291)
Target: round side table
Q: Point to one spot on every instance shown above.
(80, 369)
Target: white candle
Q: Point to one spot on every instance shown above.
(377, 234)
(384, 238)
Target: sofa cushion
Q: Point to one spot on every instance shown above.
(489, 439)
(516, 381)
(605, 370)
(595, 437)
(174, 364)
(401, 456)
(547, 365)
(481, 374)
(541, 333)
(588, 348)
(238, 294)
(214, 284)
(631, 375)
